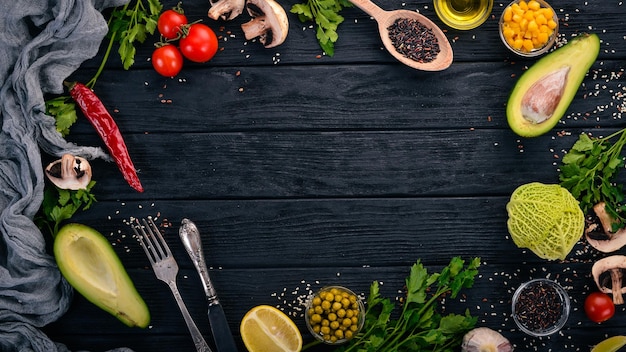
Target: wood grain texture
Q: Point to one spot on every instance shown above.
(303, 170)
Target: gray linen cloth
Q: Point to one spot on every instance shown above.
(41, 43)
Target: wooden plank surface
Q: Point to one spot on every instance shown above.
(303, 171)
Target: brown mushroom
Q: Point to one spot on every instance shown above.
(226, 9)
(608, 273)
(69, 172)
(602, 237)
(269, 22)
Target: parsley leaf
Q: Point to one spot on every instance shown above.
(132, 24)
(420, 327)
(325, 14)
(63, 109)
(588, 172)
(61, 204)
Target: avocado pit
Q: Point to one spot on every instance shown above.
(542, 98)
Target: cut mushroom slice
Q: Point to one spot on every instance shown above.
(608, 274)
(269, 22)
(69, 172)
(608, 241)
(226, 9)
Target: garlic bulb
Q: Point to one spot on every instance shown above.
(485, 340)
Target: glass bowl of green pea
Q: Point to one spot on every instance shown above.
(334, 314)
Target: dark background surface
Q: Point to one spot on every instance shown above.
(303, 170)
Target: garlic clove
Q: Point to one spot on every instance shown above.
(485, 340)
(69, 172)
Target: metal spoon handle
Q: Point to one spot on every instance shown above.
(190, 237)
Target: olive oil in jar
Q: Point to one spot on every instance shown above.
(463, 14)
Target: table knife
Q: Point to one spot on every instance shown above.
(190, 236)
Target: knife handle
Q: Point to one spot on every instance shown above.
(224, 341)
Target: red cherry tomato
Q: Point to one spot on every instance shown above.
(167, 60)
(599, 307)
(170, 22)
(199, 43)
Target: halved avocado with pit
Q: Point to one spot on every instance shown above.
(543, 93)
(89, 263)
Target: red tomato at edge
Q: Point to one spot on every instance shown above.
(599, 307)
(169, 23)
(167, 60)
(199, 44)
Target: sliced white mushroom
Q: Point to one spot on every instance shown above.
(269, 22)
(226, 9)
(608, 273)
(608, 241)
(69, 172)
(484, 339)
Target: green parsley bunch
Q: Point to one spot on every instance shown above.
(420, 326)
(589, 171)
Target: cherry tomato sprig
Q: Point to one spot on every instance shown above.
(170, 22)
(197, 42)
(167, 60)
(95, 111)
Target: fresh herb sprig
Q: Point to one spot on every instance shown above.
(588, 172)
(132, 24)
(325, 14)
(420, 327)
(128, 26)
(61, 204)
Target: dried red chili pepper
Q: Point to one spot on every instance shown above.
(103, 122)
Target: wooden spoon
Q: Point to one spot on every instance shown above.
(385, 19)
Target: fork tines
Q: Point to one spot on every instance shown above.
(151, 239)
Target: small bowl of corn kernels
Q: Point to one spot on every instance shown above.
(334, 315)
(529, 27)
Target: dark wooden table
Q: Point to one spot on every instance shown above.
(303, 170)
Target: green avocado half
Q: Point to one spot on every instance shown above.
(89, 263)
(543, 93)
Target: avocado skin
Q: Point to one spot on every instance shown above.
(88, 262)
(579, 54)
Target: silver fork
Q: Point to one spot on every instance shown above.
(165, 268)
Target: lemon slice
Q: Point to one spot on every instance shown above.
(267, 329)
(611, 344)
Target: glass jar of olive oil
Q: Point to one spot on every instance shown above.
(463, 14)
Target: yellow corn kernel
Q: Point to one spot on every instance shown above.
(523, 24)
(546, 12)
(508, 32)
(541, 19)
(517, 18)
(510, 41)
(543, 37)
(529, 15)
(508, 15)
(527, 45)
(523, 5)
(551, 24)
(534, 5)
(533, 27)
(517, 44)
